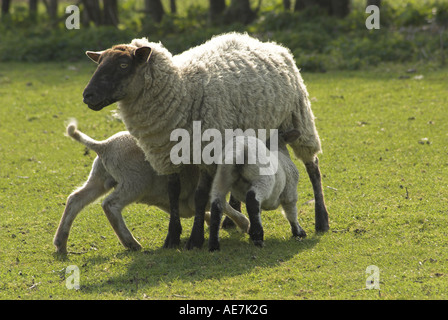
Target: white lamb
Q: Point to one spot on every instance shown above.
(232, 81)
(267, 190)
(121, 165)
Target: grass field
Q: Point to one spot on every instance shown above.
(385, 169)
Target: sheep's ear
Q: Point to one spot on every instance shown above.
(143, 53)
(94, 56)
(291, 135)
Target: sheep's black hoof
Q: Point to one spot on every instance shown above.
(214, 246)
(322, 224)
(194, 242)
(322, 229)
(258, 243)
(171, 242)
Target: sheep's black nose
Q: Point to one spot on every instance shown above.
(88, 96)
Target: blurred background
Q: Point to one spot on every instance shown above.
(322, 34)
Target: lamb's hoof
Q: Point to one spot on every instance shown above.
(61, 250)
(228, 223)
(134, 247)
(300, 234)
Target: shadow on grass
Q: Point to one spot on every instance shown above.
(238, 256)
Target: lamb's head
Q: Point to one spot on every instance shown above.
(284, 138)
(117, 76)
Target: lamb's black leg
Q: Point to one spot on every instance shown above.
(253, 209)
(215, 221)
(235, 204)
(321, 213)
(175, 228)
(201, 198)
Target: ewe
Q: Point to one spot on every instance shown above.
(232, 81)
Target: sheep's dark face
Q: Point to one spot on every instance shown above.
(113, 78)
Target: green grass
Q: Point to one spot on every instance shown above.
(385, 190)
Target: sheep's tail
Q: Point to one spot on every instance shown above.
(72, 131)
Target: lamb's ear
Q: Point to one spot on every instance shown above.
(143, 53)
(94, 56)
(291, 135)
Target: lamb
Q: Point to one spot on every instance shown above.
(231, 81)
(121, 165)
(259, 190)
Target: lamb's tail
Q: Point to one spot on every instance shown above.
(72, 131)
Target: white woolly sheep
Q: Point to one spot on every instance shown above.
(231, 81)
(121, 165)
(259, 190)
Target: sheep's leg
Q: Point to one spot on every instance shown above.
(290, 213)
(235, 204)
(78, 200)
(201, 198)
(237, 218)
(112, 207)
(215, 221)
(321, 213)
(253, 209)
(175, 228)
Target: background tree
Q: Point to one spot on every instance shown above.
(110, 12)
(5, 7)
(374, 2)
(338, 8)
(240, 11)
(33, 9)
(52, 8)
(154, 9)
(216, 9)
(92, 12)
(106, 16)
(173, 6)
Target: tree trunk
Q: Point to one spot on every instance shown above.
(52, 9)
(33, 9)
(93, 11)
(33, 6)
(216, 9)
(110, 12)
(173, 6)
(302, 4)
(5, 7)
(338, 8)
(239, 11)
(287, 5)
(154, 9)
(374, 2)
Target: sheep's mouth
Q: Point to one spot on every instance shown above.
(100, 105)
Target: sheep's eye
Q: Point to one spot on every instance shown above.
(123, 65)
